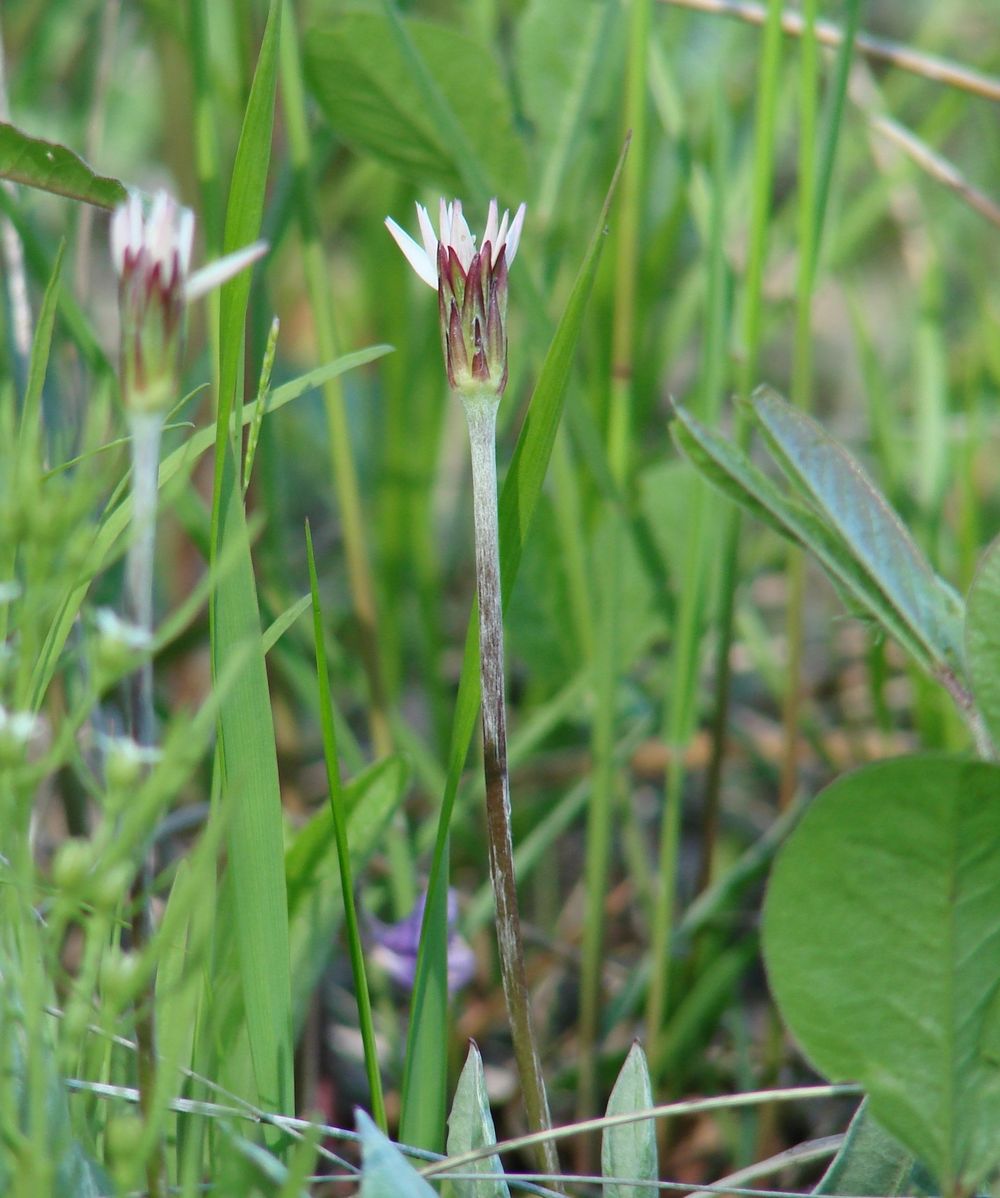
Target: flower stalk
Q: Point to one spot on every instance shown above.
(151, 253)
(472, 301)
(481, 413)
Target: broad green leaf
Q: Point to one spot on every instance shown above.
(385, 1172)
(845, 497)
(628, 1150)
(872, 1164)
(52, 167)
(470, 1126)
(726, 466)
(881, 936)
(982, 638)
(371, 95)
(424, 1077)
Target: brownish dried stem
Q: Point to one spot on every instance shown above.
(480, 410)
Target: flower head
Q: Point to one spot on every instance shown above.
(17, 730)
(151, 254)
(394, 946)
(472, 289)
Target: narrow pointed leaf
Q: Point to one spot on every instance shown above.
(52, 167)
(31, 412)
(628, 1151)
(821, 468)
(385, 1172)
(729, 469)
(470, 1126)
(252, 796)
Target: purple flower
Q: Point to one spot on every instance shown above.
(394, 946)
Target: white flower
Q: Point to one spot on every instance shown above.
(455, 235)
(19, 726)
(120, 633)
(472, 290)
(162, 243)
(17, 730)
(152, 257)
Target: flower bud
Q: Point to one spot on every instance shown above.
(152, 256)
(472, 291)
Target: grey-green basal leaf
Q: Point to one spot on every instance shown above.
(835, 483)
(385, 1172)
(628, 1150)
(470, 1126)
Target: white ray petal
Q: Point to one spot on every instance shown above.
(427, 233)
(119, 236)
(185, 239)
(461, 237)
(501, 236)
(160, 229)
(490, 233)
(514, 236)
(216, 273)
(416, 255)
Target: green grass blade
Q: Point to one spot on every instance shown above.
(247, 754)
(243, 221)
(354, 945)
(424, 1078)
(252, 793)
(29, 431)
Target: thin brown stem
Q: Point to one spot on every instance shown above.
(480, 411)
(929, 66)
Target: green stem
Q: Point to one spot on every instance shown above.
(481, 411)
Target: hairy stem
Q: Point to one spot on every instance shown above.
(146, 429)
(481, 411)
